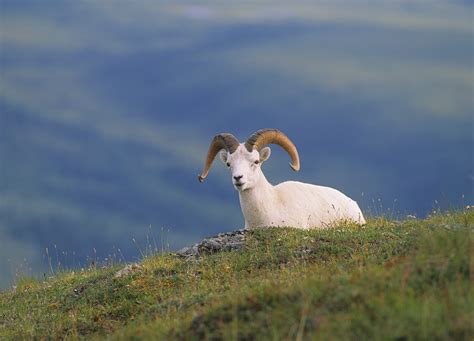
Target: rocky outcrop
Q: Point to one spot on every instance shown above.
(228, 241)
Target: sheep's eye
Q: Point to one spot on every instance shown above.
(228, 164)
(257, 162)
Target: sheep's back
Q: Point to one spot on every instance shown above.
(306, 205)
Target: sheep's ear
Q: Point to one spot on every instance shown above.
(223, 155)
(265, 154)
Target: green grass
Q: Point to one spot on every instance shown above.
(388, 280)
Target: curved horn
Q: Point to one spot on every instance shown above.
(222, 141)
(267, 136)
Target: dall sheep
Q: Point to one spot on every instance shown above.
(291, 203)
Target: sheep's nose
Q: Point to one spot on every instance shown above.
(237, 178)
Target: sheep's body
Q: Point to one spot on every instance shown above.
(297, 204)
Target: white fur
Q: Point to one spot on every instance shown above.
(290, 203)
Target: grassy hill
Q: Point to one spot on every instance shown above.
(387, 280)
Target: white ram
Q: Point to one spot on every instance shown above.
(290, 203)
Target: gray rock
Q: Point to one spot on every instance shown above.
(233, 246)
(128, 270)
(227, 241)
(188, 251)
(211, 245)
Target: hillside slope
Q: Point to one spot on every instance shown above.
(407, 280)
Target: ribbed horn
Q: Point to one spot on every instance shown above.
(221, 141)
(268, 136)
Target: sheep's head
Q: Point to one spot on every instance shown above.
(245, 159)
